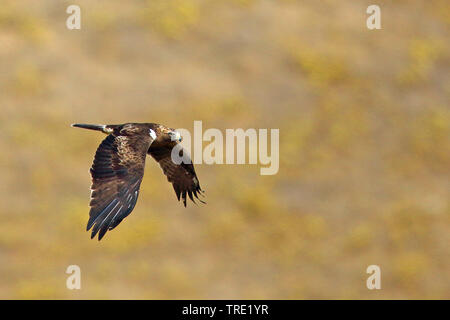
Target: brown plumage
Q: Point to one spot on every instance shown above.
(118, 169)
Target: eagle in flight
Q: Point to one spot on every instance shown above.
(118, 170)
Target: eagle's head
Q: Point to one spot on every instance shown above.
(175, 136)
(167, 136)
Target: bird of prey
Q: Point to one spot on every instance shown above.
(118, 169)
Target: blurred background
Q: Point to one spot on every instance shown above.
(364, 148)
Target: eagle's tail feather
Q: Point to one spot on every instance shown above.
(97, 127)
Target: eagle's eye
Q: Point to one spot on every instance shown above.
(152, 134)
(175, 136)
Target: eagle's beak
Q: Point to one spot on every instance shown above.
(175, 136)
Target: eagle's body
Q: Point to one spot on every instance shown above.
(118, 169)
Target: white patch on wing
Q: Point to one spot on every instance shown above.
(152, 134)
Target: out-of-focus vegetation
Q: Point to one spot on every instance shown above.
(365, 153)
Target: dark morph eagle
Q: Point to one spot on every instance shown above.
(118, 170)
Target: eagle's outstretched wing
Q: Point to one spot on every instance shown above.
(182, 176)
(117, 173)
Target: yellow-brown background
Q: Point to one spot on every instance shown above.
(364, 148)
